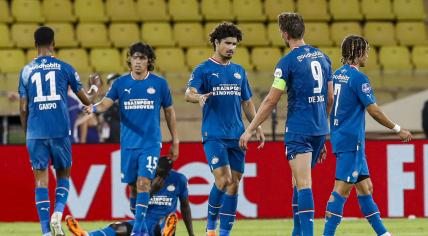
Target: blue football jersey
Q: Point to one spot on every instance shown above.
(306, 71)
(165, 200)
(222, 112)
(44, 82)
(140, 103)
(352, 94)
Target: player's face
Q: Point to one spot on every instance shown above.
(139, 63)
(226, 47)
(285, 37)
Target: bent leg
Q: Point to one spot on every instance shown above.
(334, 209)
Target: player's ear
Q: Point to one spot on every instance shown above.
(216, 42)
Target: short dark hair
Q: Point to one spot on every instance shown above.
(44, 36)
(353, 47)
(292, 23)
(144, 49)
(225, 30)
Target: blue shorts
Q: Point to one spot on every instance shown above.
(225, 152)
(350, 165)
(155, 224)
(138, 162)
(54, 150)
(299, 143)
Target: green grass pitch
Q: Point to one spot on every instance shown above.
(348, 227)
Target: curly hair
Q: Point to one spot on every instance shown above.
(292, 23)
(353, 47)
(144, 49)
(225, 30)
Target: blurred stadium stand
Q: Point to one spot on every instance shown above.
(93, 35)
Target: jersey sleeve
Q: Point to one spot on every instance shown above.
(23, 82)
(329, 70)
(364, 91)
(166, 96)
(113, 91)
(184, 191)
(196, 80)
(74, 79)
(246, 93)
(281, 74)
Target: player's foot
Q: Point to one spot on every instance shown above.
(170, 225)
(74, 227)
(56, 227)
(211, 233)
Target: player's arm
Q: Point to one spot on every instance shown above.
(23, 112)
(187, 215)
(330, 97)
(193, 96)
(250, 113)
(171, 122)
(377, 114)
(100, 107)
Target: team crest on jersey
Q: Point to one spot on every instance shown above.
(44, 61)
(237, 75)
(355, 174)
(343, 71)
(307, 49)
(214, 160)
(151, 90)
(277, 73)
(366, 88)
(170, 188)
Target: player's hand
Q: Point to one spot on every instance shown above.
(261, 137)
(323, 155)
(88, 109)
(405, 135)
(243, 141)
(203, 98)
(174, 150)
(94, 83)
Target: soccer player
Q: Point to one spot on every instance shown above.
(167, 187)
(43, 87)
(221, 88)
(306, 72)
(353, 95)
(141, 95)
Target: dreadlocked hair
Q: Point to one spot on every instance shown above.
(353, 48)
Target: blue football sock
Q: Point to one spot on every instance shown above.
(107, 231)
(61, 194)
(43, 208)
(215, 201)
(140, 212)
(371, 212)
(335, 211)
(132, 202)
(306, 211)
(228, 214)
(297, 231)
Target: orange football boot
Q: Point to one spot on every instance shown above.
(74, 227)
(170, 225)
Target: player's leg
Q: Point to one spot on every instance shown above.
(297, 231)
(335, 204)
(216, 154)
(132, 197)
(115, 229)
(39, 158)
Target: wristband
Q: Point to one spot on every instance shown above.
(93, 87)
(94, 109)
(396, 128)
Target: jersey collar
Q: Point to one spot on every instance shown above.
(355, 67)
(217, 62)
(147, 76)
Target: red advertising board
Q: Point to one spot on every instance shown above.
(399, 173)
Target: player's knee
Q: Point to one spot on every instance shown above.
(143, 185)
(223, 182)
(121, 228)
(304, 183)
(233, 187)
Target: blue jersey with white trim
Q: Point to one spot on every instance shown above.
(140, 103)
(306, 71)
(44, 82)
(352, 94)
(222, 112)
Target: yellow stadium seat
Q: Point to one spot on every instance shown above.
(58, 11)
(313, 10)
(23, 34)
(152, 10)
(210, 10)
(92, 35)
(157, 34)
(5, 39)
(106, 60)
(184, 10)
(317, 34)
(90, 10)
(11, 60)
(189, 34)
(265, 58)
(5, 12)
(339, 30)
(30, 55)
(373, 60)
(419, 57)
(275, 7)
(345, 10)
(27, 11)
(124, 56)
(208, 28)
(121, 10)
(242, 57)
(380, 33)
(64, 34)
(197, 55)
(170, 60)
(253, 34)
(274, 35)
(409, 9)
(411, 33)
(124, 34)
(377, 10)
(78, 58)
(395, 58)
(248, 10)
(335, 55)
